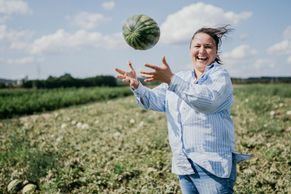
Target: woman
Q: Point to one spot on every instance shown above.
(197, 105)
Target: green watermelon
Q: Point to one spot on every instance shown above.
(141, 32)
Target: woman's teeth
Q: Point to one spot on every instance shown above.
(202, 58)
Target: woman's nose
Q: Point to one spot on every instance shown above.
(202, 50)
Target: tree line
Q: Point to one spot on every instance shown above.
(262, 80)
(66, 81)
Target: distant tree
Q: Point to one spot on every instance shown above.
(2, 85)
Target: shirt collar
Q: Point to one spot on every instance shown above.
(210, 66)
(205, 74)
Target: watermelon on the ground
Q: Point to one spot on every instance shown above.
(141, 32)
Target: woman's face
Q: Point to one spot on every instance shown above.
(203, 51)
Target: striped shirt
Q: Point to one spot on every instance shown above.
(200, 127)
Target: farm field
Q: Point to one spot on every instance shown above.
(16, 102)
(114, 146)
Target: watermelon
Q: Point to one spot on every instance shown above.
(141, 32)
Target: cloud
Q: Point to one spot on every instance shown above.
(246, 61)
(287, 33)
(12, 37)
(284, 46)
(24, 60)
(241, 61)
(21, 61)
(11, 7)
(261, 63)
(87, 21)
(58, 42)
(239, 53)
(108, 5)
(280, 47)
(180, 26)
(62, 41)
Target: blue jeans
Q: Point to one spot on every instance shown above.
(203, 182)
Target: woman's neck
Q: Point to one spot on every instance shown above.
(198, 73)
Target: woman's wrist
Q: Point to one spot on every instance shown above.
(170, 79)
(134, 85)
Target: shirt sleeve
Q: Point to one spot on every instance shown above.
(209, 96)
(152, 99)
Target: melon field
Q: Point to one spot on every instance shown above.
(113, 147)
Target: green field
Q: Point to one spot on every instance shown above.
(113, 146)
(16, 102)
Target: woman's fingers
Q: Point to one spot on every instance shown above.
(126, 80)
(120, 71)
(130, 66)
(121, 77)
(147, 73)
(123, 74)
(147, 76)
(128, 76)
(165, 62)
(149, 80)
(152, 66)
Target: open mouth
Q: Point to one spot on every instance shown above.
(202, 58)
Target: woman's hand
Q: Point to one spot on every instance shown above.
(162, 74)
(128, 77)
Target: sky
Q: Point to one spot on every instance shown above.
(84, 37)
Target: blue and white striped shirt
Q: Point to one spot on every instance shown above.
(198, 116)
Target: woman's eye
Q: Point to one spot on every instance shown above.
(208, 46)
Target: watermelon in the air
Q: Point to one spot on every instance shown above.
(141, 32)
